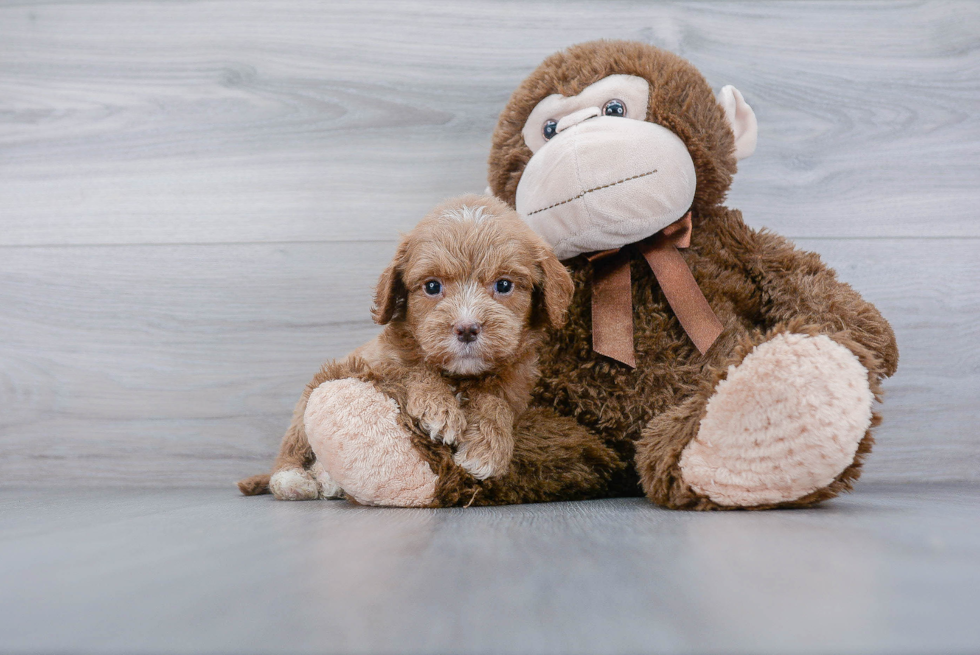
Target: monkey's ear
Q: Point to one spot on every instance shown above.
(391, 296)
(556, 288)
(741, 119)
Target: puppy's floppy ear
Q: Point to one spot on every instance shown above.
(556, 289)
(391, 296)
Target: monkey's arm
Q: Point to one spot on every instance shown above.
(799, 289)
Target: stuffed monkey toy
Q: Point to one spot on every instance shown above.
(721, 366)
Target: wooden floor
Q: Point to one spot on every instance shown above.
(889, 569)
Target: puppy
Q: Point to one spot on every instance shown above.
(465, 303)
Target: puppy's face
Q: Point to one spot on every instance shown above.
(470, 282)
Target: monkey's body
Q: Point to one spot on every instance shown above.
(777, 412)
(649, 414)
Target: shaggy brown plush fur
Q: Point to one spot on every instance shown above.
(758, 284)
(680, 100)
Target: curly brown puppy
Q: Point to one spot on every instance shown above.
(465, 303)
(462, 284)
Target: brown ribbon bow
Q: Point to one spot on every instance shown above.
(612, 303)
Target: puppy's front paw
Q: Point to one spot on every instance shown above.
(442, 420)
(485, 456)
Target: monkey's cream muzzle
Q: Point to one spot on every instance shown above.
(607, 181)
(603, 182)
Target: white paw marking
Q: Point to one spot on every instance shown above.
(294, 484)
(478, 468)
(439, 430)
(433, 428)
(449, 436)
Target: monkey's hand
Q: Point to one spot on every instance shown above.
(487, 445)
(432, 403)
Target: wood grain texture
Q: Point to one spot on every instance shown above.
(196, 199)
(243, 120)
(180, 364)
(885, 570)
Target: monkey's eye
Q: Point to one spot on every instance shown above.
(550, 128)
(432, 288)
(503, 286)
(614, 108)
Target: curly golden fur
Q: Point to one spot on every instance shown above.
(758, 284)
(465, 302)
(464, 305)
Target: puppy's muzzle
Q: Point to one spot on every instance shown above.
(467, 332)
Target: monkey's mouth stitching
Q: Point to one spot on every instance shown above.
(597, 188)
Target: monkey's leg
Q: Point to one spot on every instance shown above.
(357, 433)
(786, 425)
(380, 456)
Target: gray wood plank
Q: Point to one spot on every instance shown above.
(180, 364)
(931, 411)
(240, 120)
(885, 570)
(168, 364)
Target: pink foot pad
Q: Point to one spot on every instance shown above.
(784, 423)
(355, 434)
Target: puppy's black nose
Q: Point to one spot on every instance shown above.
(466, 332)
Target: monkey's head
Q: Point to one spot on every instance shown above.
(608, 142)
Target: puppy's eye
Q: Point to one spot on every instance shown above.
(432, 288)
(550, 128)
(503, 286)
(614, 108)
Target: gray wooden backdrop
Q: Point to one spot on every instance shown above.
(196, 199)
